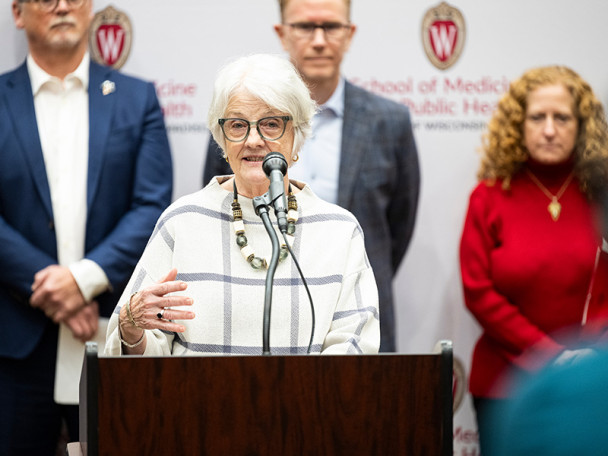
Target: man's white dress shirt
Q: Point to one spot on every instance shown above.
(62, 115)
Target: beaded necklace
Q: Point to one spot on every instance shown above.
(239, 230)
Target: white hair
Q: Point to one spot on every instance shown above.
(272, 79)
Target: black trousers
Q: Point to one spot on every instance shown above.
(30, 420)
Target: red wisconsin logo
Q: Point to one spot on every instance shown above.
(443, 35)
(443, 38)
(110, 42)
(110, 37)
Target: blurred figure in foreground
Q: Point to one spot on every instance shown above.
(560, 412)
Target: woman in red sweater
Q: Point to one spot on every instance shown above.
(531, 250)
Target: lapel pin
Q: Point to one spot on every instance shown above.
(107, 87)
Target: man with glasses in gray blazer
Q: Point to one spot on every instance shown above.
(362, 155)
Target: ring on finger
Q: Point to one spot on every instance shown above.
(160, 314)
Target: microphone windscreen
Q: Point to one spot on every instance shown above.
(274, 161)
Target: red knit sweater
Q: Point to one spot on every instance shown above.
(525, 276)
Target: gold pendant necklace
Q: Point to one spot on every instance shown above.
(554, 207)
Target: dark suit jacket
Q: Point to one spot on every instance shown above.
(129, 184)
(379, 183)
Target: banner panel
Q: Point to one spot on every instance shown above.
(450, 66)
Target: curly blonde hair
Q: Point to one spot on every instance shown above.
(503, 147)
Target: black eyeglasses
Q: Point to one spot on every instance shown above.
(50, 5)
(332, 30)
(269, 128)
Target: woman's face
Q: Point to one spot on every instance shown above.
(245, 157)
(550, 127)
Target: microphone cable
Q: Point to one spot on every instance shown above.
(312, 306)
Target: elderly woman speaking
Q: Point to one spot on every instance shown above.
(199, 287)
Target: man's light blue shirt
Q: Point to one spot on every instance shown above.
(319, 162)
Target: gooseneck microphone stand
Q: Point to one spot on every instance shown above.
(275, 167)
(261, 204)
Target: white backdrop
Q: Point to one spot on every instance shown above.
(180, 45)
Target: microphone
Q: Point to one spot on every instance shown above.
(275, 167)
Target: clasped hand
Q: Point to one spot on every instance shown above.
(57, 294)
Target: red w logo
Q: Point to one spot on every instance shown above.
(443, 36)
(110, 42)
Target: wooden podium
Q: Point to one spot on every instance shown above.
(386, 404)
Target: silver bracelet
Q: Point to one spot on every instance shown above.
(127, 344)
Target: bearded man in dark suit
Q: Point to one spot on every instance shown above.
(85, 172)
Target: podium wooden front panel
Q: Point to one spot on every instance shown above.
(269, 405)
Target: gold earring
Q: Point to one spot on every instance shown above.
(295, 158)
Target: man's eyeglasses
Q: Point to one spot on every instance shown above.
(332, 30)
(50, 5)
(269, 128)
